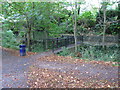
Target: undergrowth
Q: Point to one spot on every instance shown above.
(94, 53)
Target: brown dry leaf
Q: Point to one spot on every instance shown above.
(16, 52)
(45, 78)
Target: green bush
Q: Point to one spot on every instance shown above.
(99, 53)
(95, 53)
(37, 48)
(9, 40)
(65, 51)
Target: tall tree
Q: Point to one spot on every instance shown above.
(119, 20)
(104, 5)
(75, 26)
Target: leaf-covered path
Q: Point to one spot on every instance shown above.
(15, 69)
(86, 73)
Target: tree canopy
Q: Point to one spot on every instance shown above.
(56, 18)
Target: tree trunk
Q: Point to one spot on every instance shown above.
(119, 11)
(119, 21)
(28, 34)
(46, 37)
(104, 26)
(28, 40)
(75, 26)
(79, 10)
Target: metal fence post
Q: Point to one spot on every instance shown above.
(53, 46)
(44, 44)
(57, 43)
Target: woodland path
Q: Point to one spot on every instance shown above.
(15, 68)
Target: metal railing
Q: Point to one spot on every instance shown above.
(55, 43)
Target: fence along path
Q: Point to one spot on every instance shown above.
(56, 43)
(68, 41)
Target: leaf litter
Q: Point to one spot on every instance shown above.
(16, 52)
(47, 78)
(44, 78)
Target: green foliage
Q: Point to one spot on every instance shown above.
(65, 51)
(87, 15)
(113, 29)
(82, 29)
(53, 18)
(111, 19)
(22, 33)
(38, 48)
(95, 53)
(9, 40)
(86, 21)
(55, 30)
(98, 53)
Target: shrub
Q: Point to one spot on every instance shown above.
(95, 53)
(9, 40)
(65, 51)
(99, 53)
